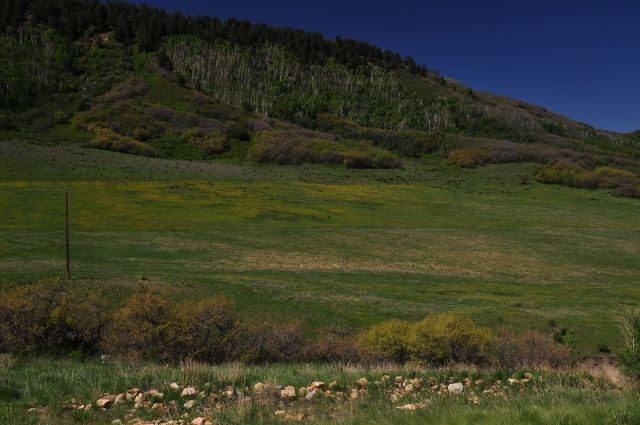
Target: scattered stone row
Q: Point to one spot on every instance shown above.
(193, 400)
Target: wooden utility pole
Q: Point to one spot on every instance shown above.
(66, 215)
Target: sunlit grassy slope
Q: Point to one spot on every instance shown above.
(325, 243)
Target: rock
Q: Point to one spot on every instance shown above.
(104, 402)
(385, 377)
(288, 391)
(408, 387)
(156, 406)
(417, 383)
(119, 400)
(455, 388)
(528, 375)
(139, 399)
(466, 382)
(363, 382)
(524, 381)
(198, 421)
(280, 412)
(315, 384)
(398, 379)
(354, 393)
(512, 381)
(189, 404)
(310, 394)
(296, 418)
(407, 407)
(155, 393)
(259, 387)
(188, 391)
(477, 382)
(174, 386)
(116, 422)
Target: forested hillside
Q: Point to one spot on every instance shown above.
(101, 72)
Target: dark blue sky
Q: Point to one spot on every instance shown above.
(580, 58)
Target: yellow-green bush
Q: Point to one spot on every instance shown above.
(110, 140)
(444, 338)
(387, 340)
(603, 177)
(615, 172)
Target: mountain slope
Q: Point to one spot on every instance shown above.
(99, 65)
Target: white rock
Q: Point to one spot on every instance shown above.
(174, 386)
(407, 407)
(188, 391)
(456, 388)
(189, 404)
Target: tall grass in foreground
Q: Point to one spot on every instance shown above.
(547, 398)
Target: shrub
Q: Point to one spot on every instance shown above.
(142, 326)
(466, 157)
(387, 341)
(444, 338)
(296, 146)
(529, 349)
(630, 355)
(614, 172)
(629, 191)
(334, 344)
(110, 140)
(42, 318)
(126, 90)
(150, 326)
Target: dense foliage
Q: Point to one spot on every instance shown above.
(46, 318)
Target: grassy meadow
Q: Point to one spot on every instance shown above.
(50, 388)
(326, 243)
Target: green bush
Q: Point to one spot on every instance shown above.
(445, 338)
(388, 340)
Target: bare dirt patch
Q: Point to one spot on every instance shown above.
(604, 367)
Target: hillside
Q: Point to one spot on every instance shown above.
(139, 80)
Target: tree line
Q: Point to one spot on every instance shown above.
(148, 25)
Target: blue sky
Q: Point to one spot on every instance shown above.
(578, 58)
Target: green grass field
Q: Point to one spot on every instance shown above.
(50, 388)
(325, 243)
